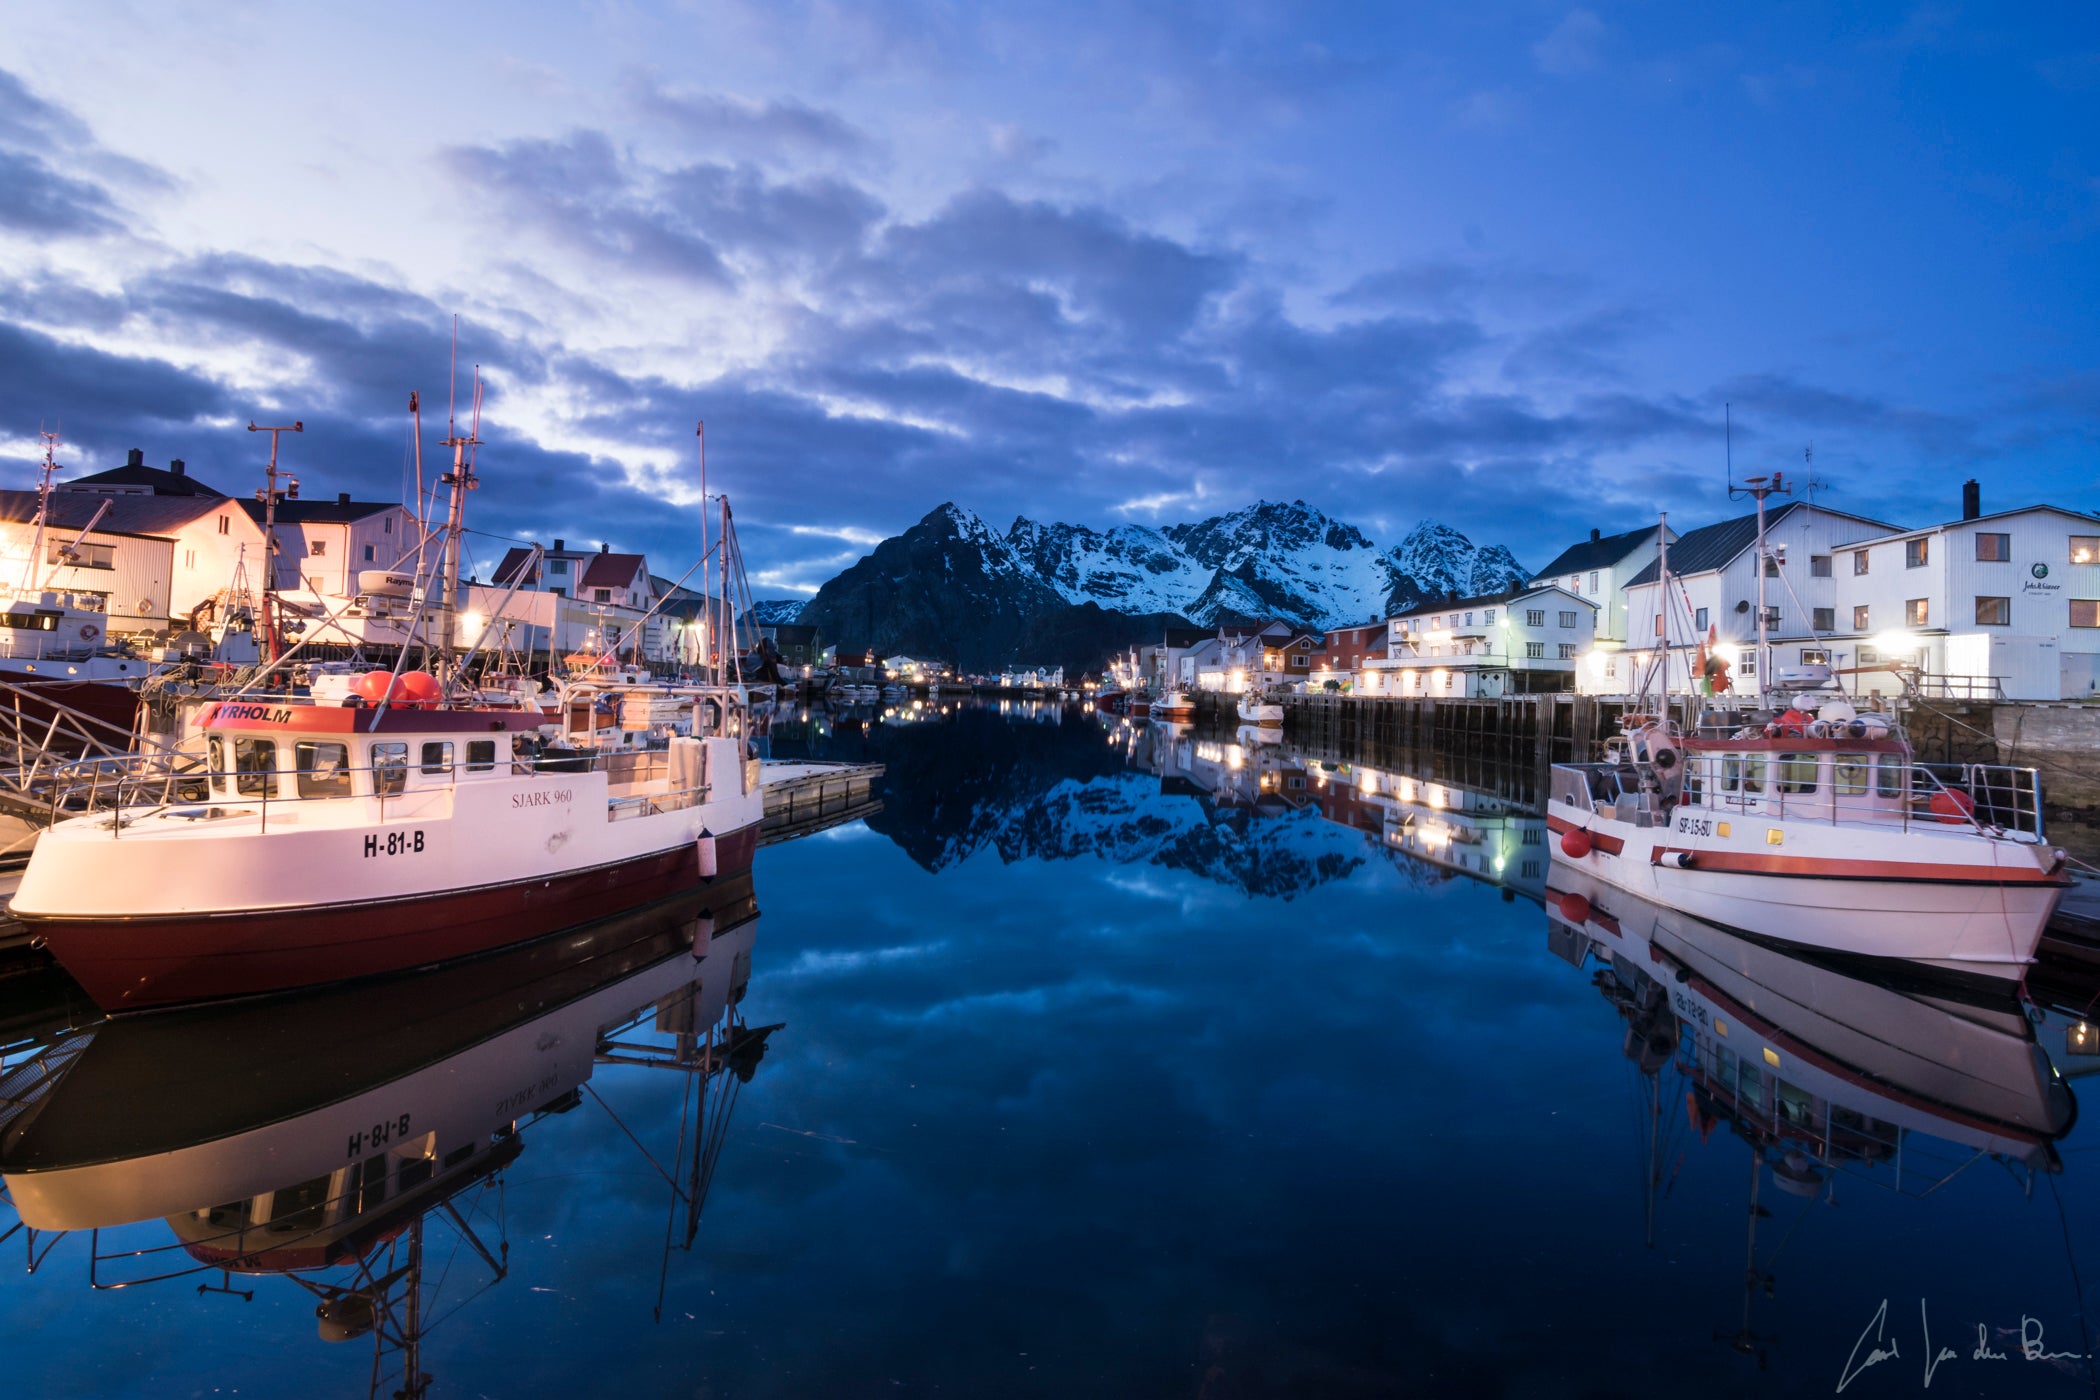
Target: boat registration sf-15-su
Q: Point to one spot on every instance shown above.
(330, 842)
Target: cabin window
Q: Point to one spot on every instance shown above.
(299, 1207)
(458, 1154)
(437, 759)
(1848, 774)
(1889, 777)
(414, 1172)
(389, 769)
(324, 768)
(1743, 773)
(1797, 772)
(254, 766)
(481, 755)
(371, 1189)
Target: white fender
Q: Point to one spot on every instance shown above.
(707, 856)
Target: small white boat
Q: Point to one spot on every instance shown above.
(1257, 710)
(1174, 706)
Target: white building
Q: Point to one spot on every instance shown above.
(322, 546)
(152, 559)
(1713, 591)
(1599, 569)
(1518, 643)
(2000, 606)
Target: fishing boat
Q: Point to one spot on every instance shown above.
(1174, 706)
(1812, 822)
(1260, 711)
(407, 823)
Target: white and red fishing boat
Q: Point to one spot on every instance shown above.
(1814, 823)
(1173, 706)
(396, 821)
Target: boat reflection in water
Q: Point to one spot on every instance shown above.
(314, 1137)
(1820, 1067)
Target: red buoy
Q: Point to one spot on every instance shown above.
(1575, 908)
(1575, 843)
(372, 685)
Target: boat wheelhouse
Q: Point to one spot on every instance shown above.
(325, 842)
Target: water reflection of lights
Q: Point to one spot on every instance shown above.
(1438, 795)
(1405, 789)
(1235, 758)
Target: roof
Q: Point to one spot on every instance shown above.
(160, 480)
(611, 571)
(1185, 636)
(1490, 600)
(335, 512)
(1716, 546)
(1974, 520)
(1598, 551)
(144, 516)
(513, 564)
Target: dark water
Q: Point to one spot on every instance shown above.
(1102, 1064)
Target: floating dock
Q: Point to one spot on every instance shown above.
(806, 796)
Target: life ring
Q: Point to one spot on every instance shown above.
(89, 631)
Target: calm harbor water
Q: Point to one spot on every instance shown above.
(1098, 1062)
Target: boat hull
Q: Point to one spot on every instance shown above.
(1944, 909)
(138, 963)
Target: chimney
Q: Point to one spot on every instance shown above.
(1596, 535)
(136, 457)
(604, 548)
(1971, 499)
(342, 498)
(178, 466)
(560, 546)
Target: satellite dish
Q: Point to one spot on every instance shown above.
(1742, 605)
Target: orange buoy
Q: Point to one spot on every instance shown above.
(420, 688)
(1575, 908)
(1575, 843)
(372, 685)
(1951, 806)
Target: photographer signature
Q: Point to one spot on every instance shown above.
(1875, 1346)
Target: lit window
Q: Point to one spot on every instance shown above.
(1994, 612)
(1915, 612)
(1917, 553)
(2085, 612)
(317, 548)
(1815, 656)
(1859, 561)
(1993, 549)
(1859, 617)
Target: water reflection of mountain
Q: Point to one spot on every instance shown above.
(1819, 1069)
(311, 1140)
(1058, 782)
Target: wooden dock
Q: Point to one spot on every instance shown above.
(804, 796)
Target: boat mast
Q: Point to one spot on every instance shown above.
(43, 508)
(270, 495)
(462, 480)
(1758, 488)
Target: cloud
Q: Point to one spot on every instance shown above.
(35, 198)
(779, 129)
(1573, 46)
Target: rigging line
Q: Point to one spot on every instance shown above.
(2077, 1285)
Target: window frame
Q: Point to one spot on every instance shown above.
(308, 775)
(2003, 611)
(2004, 538)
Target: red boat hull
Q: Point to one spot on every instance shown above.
(133, 964)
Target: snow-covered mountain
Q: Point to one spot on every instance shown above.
(954, 586)
(778, 610)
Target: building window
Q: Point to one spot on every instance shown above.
(1536, 617)
(368, 554)
(2085, 549)
(1815, 656)
(390, 524)
(1869, 656)
(317, 548)
(1658, 624)
(1611, 666)
(1993, 549)
(2085, 612)
(1699, 621)
(1819, 566)
(1917, 553)
(1567, 619)
(1488, 617)
(1535, 650)
(1915, 612)
(1771, 567)
(225, 524)
(1994, 612)
(1859, 617)
(1593, 580)
(1859, 562)
(1469, 619)
(82, 556)
(1567, 651)
(1824, 619)
(557, 566)
(601, 595)
(189, 559)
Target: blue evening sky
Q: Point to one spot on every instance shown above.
(1499, 265)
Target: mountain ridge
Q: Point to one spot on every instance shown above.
(954, 587)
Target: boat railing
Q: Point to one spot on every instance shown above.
(1988, 799)
(130, 788)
